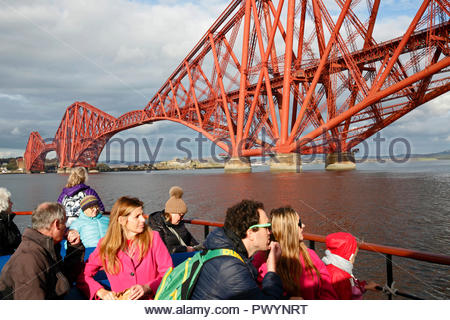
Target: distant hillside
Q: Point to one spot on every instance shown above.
(443, 155)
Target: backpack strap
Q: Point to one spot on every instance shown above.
(210, 254)
(188, 286)
(180, 240)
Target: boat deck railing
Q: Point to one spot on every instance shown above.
(388, 251)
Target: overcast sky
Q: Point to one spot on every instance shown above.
(115, 54)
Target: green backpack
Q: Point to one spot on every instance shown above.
(178, 282)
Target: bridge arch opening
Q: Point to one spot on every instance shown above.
(161, 140)
(51, 162)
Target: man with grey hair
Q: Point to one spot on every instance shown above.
(9, 233)
(36, 270)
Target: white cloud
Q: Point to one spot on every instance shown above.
(439, 106)
(12, 97)
(16, 131)
(10, 153)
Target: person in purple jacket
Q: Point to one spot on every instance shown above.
(74, 192)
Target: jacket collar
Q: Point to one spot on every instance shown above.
(42, 240)
(7, 216)
(75, 189)
(222, 238)
(237, 243)
(83, 216)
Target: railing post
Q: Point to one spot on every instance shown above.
(389, 273)
(312, 244)
(206, 231)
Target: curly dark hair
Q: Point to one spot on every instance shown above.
(242, 216)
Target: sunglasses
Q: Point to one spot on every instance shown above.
(300, 223)
(262, 225)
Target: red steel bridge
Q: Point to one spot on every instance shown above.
(308, 72)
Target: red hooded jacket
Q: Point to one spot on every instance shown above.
(344, 245)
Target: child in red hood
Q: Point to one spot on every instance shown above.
(339, 259)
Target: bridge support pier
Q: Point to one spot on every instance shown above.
(340, 161)
(286, 162)
(238, 165)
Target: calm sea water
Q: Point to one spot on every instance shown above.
(404, 205)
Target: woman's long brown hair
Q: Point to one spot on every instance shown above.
(115, 239)
(285, 230)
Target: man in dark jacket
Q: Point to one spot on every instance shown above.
(36, 270)
(226, 277)
(9, 233)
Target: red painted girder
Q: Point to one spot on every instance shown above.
(372, 54)
(376, 97)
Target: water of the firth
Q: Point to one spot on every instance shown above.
(404, 205)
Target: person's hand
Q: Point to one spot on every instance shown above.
(137, 291)
(274, 256)
(106, 295)
(73, 237)
(190, 249)
(371, 285)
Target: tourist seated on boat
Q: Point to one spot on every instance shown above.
(302, 272)
(36, 270)
(234, 277)
(91, 224)
(339, 258)
(170, 225)
(74, 191)
(9, 233)
(133, 256)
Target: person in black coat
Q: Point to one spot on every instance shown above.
(9, 233)
(170, 225)
(245, 232)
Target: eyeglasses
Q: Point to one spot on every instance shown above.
(262, 225)
(300, 224)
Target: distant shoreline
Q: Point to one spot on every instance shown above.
(180, 164)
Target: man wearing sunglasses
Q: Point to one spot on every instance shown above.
(246, 230)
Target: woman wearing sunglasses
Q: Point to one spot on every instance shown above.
(302, 272)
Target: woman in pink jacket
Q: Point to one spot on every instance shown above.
(133, 256)
(302, 272)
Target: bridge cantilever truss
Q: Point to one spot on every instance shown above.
(316, 80)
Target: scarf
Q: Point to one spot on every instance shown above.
(338, 261)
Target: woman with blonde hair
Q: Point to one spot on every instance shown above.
(302, 272)
(74, 192)
(133, 256)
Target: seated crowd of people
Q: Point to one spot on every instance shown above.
(269, 261)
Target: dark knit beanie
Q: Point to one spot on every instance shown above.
(88, 201)
(175, 204)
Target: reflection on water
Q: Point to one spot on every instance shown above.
(404, 205)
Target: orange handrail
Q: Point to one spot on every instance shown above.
(23, 213)
(400, 252)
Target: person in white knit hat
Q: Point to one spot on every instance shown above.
(170, 225)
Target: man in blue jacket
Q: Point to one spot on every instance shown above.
(246, 231)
